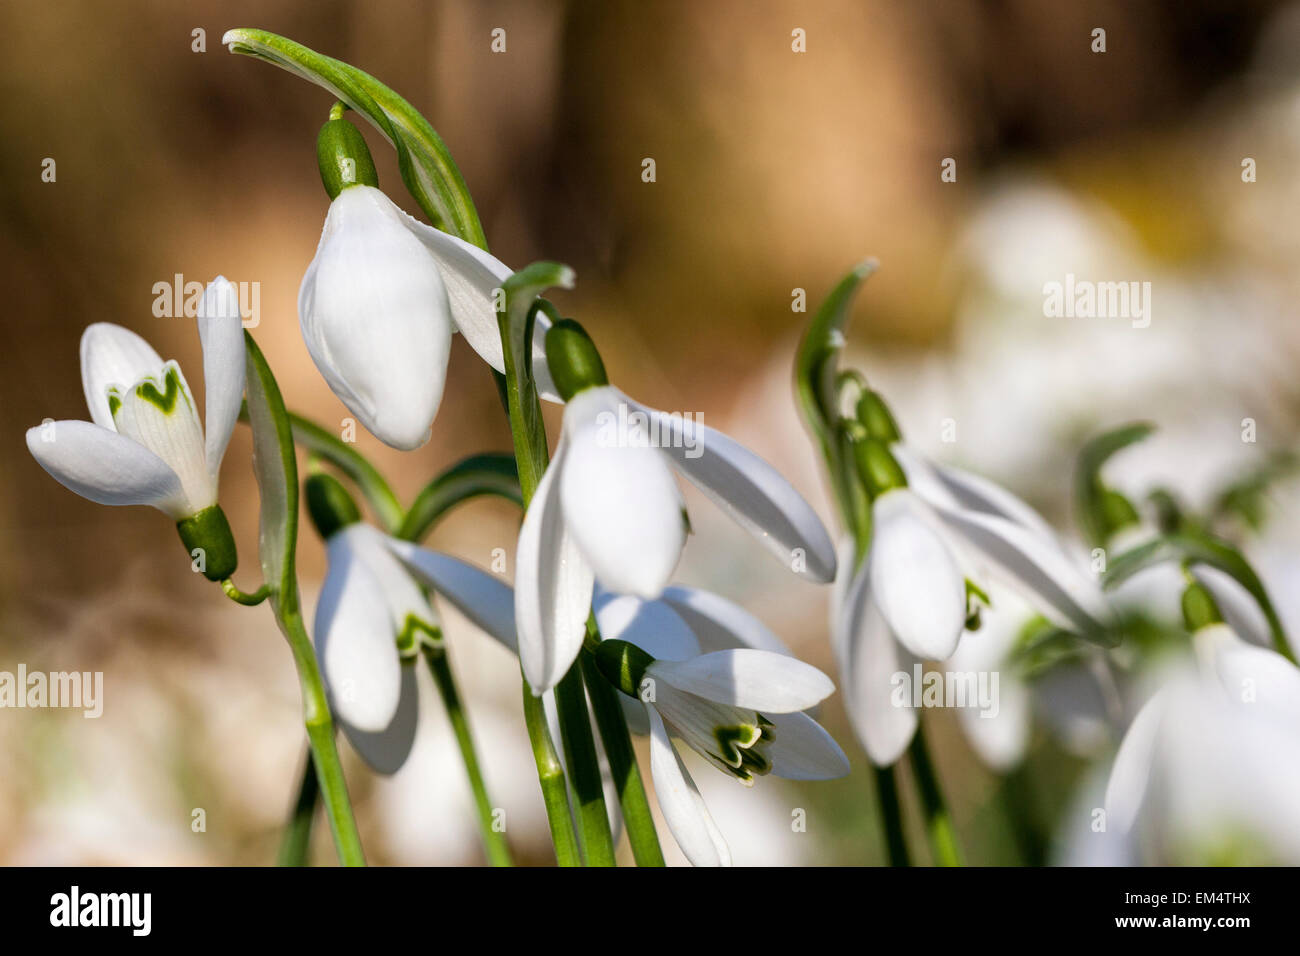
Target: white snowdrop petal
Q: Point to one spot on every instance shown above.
(652, 626)
(112, 356)
(472, 277)
(801, 749)
(553, 585)
(1131, 772)
(680, 802)
(375, 318)
(386, 750)
(620, 501)
(483, 598)
(719, 624)
(748, 489)
(161, 415)
(105, 467)
(356, 641)
(914, 580)
(755, 680)
(1044, 575)
(221, 333)
(869, 658)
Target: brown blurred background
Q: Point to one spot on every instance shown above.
(776, 170)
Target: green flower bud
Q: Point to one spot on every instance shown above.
(343, 156)
(329, 504)
(879, 470)
(624, 665)
(876, 417)
(208, 532)
(574, 362)
(1199, 607)
(1117, 512)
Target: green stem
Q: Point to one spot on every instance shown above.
(1022, 816)
(550, 774)
(614, 735)
(320, 735)
(584, 768)
(891, 815)
(938, 821)
(243, 597)
(494, 840)
(296, 841)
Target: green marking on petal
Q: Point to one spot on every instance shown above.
(164, 400)
(114, 401)
(417, 634)
(733, 741)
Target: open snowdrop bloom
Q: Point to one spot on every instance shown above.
(933, 528)
(1209, 769)
(144, 444)
(739, 709)
(929, 521)
(373, 619)
(383, 295)
(608, 508)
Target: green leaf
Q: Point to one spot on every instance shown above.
(428, 170)
(277, 479)
(493, 473)
(353, 464)
(816, 373)
(1089, 490)
(516, 322)
(1201, 548)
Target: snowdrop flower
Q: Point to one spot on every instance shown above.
(608, 507)
(383, 295)
(907, 600)
(373, 619)
(739, 709)
(1214, 755)
(144, 444)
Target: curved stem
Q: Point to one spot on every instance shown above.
(891, 815)
(296, 841)
(612, 724)
(550, 774)
(494, 840)
(938, 821)
(243, 597)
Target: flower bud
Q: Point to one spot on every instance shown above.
(876, 417)
(343, 156)
(329, 504)
(879, 470)
(1199, 607)
(572, 357)
(208, 532)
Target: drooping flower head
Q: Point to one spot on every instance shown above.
(608, 508)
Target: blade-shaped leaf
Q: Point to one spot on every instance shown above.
(1089, 489)
(277, 479)
(516, 321)
(426, 165)
(816, 370)
(493, 473)
(352, 463)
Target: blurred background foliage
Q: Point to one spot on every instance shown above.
(776, 171)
